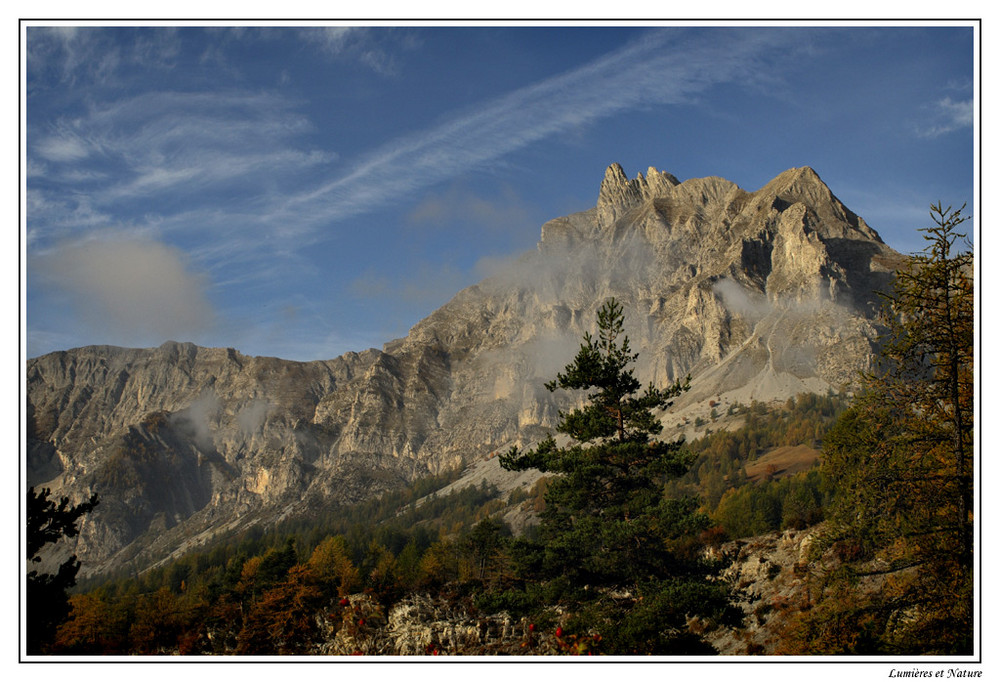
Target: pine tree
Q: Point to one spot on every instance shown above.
(612, 548)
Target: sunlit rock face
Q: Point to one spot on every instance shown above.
(757, 295)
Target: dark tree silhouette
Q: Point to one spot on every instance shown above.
(47, 602)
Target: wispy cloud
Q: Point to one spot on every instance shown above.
(356, 43)
(654, 70)
(60, 216)
(60, 147)
(150, 145)
(72, 55)
(947, 116)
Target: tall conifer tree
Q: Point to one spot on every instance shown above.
(613, 550)
(900, 460)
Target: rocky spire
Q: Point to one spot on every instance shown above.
(618, 193)
(659, 182)
(616, 190)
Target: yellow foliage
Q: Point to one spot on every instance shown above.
(331, 564)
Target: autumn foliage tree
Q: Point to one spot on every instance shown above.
(97, 625)
(900, 460)
(613, 549)
(330, 562)
(283, 618)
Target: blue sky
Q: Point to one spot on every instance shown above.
(301, 192)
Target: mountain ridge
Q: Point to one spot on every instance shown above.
(758, 295)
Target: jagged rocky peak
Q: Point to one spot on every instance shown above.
(800, 185)
(792, 237)
(619, 196)
(804, 186)
(618, 193)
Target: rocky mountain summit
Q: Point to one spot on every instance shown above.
(757, 295)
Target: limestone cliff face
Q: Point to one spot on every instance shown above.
(757, 295)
